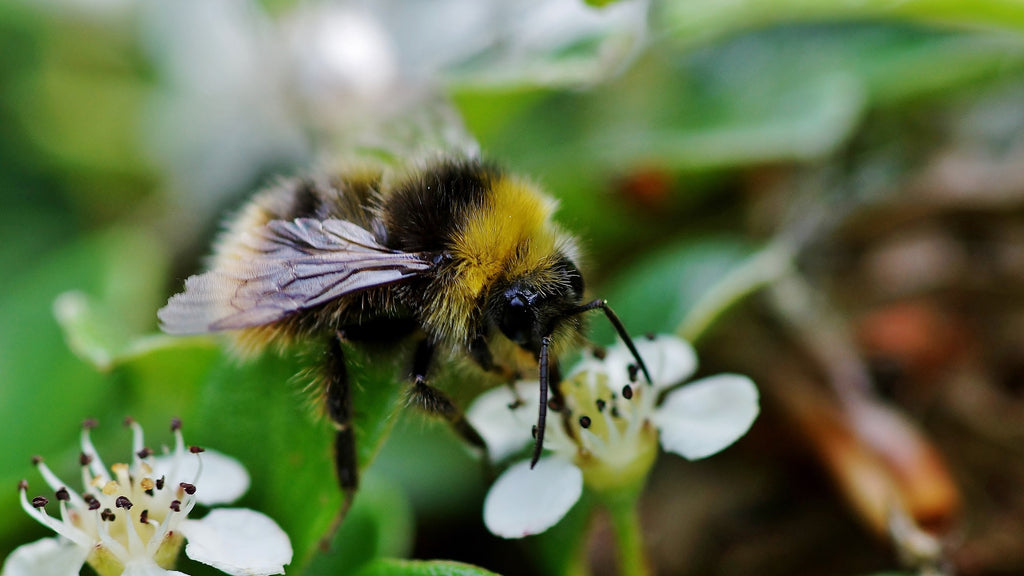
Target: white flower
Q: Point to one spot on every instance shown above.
(133, 519)
(606, 435)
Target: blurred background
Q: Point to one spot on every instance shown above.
(874, 151)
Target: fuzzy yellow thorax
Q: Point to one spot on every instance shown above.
(510, 234)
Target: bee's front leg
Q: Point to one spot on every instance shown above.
(481, 354)
(433, 401)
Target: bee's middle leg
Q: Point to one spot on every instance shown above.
(436, 402)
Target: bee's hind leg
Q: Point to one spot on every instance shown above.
(338, 397)
(435, 402)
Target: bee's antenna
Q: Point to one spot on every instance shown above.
(545, 344)
(542, 414)
(603, 305)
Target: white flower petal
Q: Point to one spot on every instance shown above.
(524, 502)
(506, 431)
(668, 358)
(47, 556)
(706, 416)
(223, 480)
(238, 541)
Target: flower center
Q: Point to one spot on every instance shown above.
(124, 515)
(609, 417)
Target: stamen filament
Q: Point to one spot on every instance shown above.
(199, 469)
(115, 547)
(123, 478)
(613, 430)
(135, 545)
(70, 532)
(161, 531)
(593, 443)
(55, 483)
(87, 477)
(178, 454)
(138, 442)
(65, 516)
(95, 464)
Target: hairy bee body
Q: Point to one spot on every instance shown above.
(475, 230)
(458, 256)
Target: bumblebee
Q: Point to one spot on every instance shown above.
(459, 254)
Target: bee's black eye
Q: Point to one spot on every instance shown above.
(517, 319)
(576, 281)
(572, 274)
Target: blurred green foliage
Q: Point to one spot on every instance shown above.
(645, 165)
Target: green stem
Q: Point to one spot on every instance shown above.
(762, 269)
(628, 535)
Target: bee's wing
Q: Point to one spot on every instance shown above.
(287, 266)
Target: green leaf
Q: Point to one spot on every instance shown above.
(83, 106)
(700, 20)
(788, 93)
(656, 292)
(257, 412)
(432, 465)
(89, 332)
(380, 524)
(389, 567)
(165, 377)
(46, 392)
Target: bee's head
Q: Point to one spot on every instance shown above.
(528, 308)
(539, 310)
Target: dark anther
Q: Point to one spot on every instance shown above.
(627, 392)
(555, 405)
(90, 423)
(94, 504)
(160, 482)
(39, 502)
(176, 505)
(601, 404)
(599, 352)
(108, 515)
(37, 460)
(615, 411)
(534, 432)
(144, 453)
(123, 502)
(84, 459)
(23, 485)
(63, 494)
(128, 421)
(175, 424)
(189, 489)
(150, 492)
(633, 370)
(89, 498)
(585, 421)
(650, 336)
(195, 449)
(144, 517)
